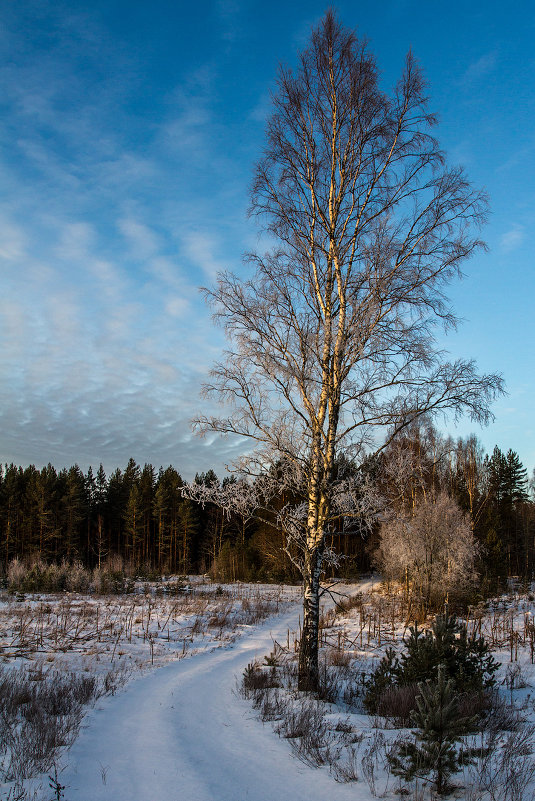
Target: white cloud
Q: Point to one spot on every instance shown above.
(12, 241)
(479, 69)
(142, 241)
(76, 239)
(105, 338)
(513, 238)
(199, 246)
(177, 306)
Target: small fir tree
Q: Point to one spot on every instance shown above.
(438, 730)
(467, 660)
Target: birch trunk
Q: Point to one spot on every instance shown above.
(308, 674)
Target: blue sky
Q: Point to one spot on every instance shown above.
(128, 134)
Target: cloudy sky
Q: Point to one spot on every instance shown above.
(128, 133)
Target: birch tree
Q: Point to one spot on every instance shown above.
(432, 548)
(334, 336)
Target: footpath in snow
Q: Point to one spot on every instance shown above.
(181, 732)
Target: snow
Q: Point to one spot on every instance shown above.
(182, 732)
(179, 729)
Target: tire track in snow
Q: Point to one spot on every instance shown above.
(180, 732)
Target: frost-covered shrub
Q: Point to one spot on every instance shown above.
(105, 582)
(33, 577)
(77, 579)
(38, 576)
(15, 574)
(114, 577)
(432, 548)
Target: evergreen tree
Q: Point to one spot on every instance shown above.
(133, 525)
(438, 730)
(188, 529)
(100, 543)
(508, 490)
(147, 483)
(116, 505)
(166, 507)
(515, 479)
(74, 509)
(11, 512)
(467, 661)
(40, 511)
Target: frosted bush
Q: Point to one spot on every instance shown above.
(15, 574)
(77, 579)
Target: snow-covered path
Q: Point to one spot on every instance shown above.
(180, 732)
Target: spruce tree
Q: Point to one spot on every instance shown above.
(438, 729)
(466, 660)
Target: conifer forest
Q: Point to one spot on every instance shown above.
(142, 515)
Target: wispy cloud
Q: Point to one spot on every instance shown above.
(142, 242)
(200, 246)
(513, 238)
(479, 69)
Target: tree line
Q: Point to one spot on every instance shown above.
(422, 468)
(142, 515)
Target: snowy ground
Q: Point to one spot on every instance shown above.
(123, 639)
(182, 731)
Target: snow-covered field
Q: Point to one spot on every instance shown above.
(184, 730)
(113, 641)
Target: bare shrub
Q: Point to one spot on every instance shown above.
(40, 712)
(221, 617)
(397, 703)
(499, 715)
(354, 689)
(505, 769)
(114, 679)
(349, 602)
(337, 657)
(306, 728)
(331, 684)
(256, 678)
(253, 610)
(270, 703)
(515, 678)
(374, 757)
(300, 719)
(485, 705)
(346, 768)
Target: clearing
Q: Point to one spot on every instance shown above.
(182, 732)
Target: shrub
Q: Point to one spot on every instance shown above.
(467, 662)
(439, 728)
(397, 702)
(37, 576)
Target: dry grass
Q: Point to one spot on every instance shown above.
(40, 713)
(78, 647)
(59, 624)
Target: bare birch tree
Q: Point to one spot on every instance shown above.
(334, 338)
(432, 548)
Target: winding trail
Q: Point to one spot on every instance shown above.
(180, 733)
